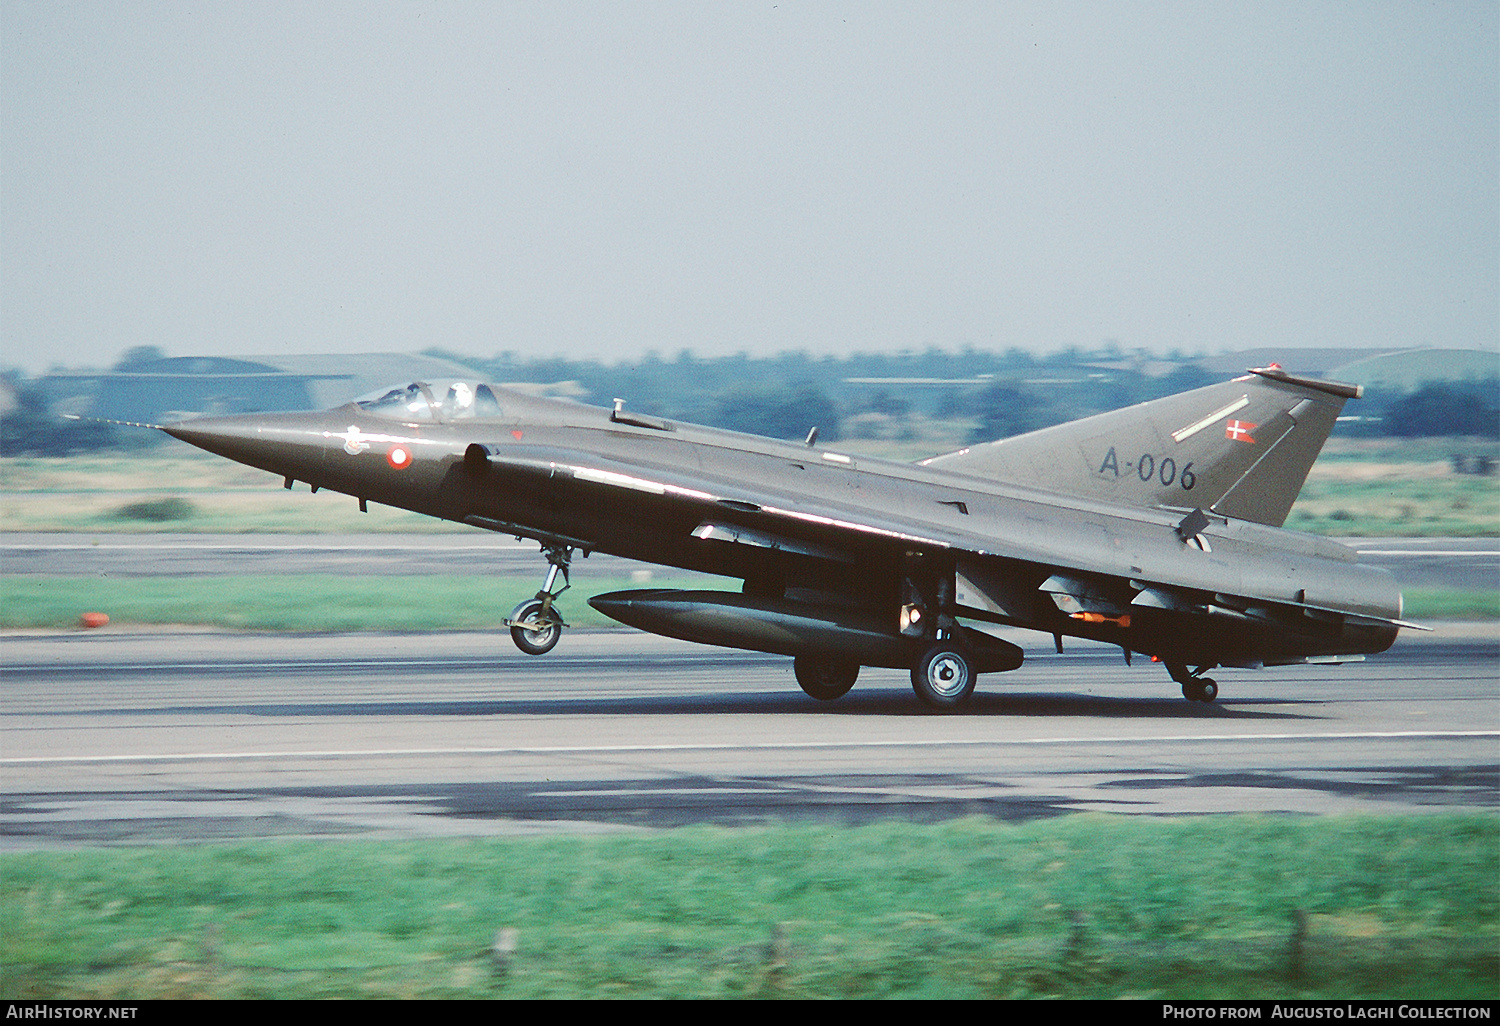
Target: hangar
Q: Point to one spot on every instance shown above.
(175, 387)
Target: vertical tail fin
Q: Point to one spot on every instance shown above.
(1241, 448)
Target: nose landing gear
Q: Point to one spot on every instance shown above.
(535, 626)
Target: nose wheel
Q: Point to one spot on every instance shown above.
(535, 625)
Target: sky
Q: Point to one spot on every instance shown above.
(603, 180)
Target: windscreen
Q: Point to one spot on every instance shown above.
(459, 400)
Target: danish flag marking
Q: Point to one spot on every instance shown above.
(1239, 430)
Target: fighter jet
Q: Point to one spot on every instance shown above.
(1156, 528)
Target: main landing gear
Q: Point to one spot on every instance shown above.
(825, 677)
(1195, 686)
(944, 676)
(535, 625)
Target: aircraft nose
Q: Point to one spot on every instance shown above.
(290, 444)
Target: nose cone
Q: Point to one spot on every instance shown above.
(290, 444)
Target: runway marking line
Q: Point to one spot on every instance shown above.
(775, 745)
(1427, 552)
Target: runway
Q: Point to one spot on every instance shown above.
(152, 736)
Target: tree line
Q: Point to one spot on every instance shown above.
(784, 396)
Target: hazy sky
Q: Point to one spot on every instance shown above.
(603, 179)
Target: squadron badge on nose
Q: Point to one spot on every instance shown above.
(354, 442)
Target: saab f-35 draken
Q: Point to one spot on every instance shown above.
(1155, 528)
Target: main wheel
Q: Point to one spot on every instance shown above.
(824, 677)
(943, 677)
(541, 640)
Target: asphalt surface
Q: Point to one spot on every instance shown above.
(1471, 564)
(114, 737)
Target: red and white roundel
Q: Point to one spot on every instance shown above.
(399, 456)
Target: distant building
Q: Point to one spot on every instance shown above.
(1409, 369)
(183, 386)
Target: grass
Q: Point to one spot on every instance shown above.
(309, 602)
(287, 602)
(1381, 487)
(1083, 906)
(1448, 604)
(158, 511)
(199, 492)
(1390, 505)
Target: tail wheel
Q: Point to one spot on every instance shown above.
(943, 678)
(1200, 689)
(541, 638)
(824, 677)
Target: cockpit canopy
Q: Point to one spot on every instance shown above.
(463, 400)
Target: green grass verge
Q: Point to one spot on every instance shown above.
(311, 602)
(409, 603)
(1426, 507)
(1441, 604)
(1083, 906)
